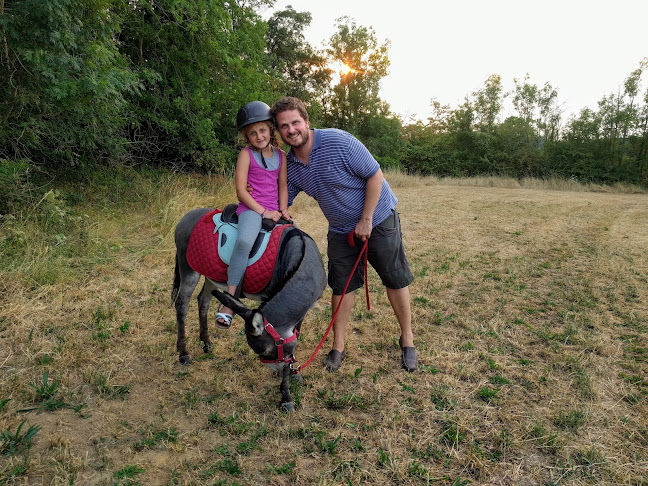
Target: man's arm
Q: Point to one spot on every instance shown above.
(372, 195)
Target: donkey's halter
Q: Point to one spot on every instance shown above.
(279, 342)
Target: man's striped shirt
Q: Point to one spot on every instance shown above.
(336, 177)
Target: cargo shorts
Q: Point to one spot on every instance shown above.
(385, 254)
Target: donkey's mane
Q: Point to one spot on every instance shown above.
(287, 274)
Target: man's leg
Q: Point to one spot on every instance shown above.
(400, 302)
(342, 319)
(337, 354)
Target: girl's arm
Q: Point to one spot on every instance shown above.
(283, 189)
(240, 178)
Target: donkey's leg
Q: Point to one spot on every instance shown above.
(204, 302)
(286, 404)
(188, 281)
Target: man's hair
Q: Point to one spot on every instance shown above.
(288, 103)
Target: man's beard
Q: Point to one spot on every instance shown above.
(305, 139)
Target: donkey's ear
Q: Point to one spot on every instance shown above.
(233, 303)
(255, 326)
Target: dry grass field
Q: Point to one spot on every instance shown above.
(530, 307)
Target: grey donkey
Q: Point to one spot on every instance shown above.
(297, 283)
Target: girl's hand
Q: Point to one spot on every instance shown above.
(273, 215)
(285, 214)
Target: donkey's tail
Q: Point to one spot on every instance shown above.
(176, 282)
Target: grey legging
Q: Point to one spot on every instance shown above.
(249, 225)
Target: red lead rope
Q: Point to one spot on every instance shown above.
(364, 252)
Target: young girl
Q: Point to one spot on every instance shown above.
(261, 165)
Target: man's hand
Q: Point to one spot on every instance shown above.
(363, 229)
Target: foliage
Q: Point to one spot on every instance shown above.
(12, 443)
(64, 99)
(355, 100)
(607, 145)
(159, 82)
(302, 69)
(186, 55)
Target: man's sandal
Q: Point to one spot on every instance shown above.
(224, 321)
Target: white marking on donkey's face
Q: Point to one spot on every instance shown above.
(257, 324)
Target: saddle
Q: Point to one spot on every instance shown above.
(212, 241)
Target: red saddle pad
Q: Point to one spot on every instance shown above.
(202, 255)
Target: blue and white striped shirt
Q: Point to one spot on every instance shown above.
(336, 177)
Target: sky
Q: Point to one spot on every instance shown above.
(445, 50)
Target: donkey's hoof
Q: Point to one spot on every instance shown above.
(287, 407)
(207, 347)
(184, 359)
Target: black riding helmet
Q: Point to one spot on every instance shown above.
(252, 112)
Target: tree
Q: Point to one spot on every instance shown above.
(64, 82)
(301, 69)
(198, 62)
(538, 107)
(487, 103)
(548, 123)
(355, 99)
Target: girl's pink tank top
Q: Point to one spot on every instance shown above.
(265, 185)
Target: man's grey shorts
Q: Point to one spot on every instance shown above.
(386, 256)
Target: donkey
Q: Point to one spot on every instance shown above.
(297, 283)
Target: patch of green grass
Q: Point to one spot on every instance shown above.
(440, 399)
(406, 387)
(430, 453)
(443, 268)
(128, 472)
(12, 443)
(417, 470)
(452, 434)
(3, 403)
(422, 301)
(44, 389)
(589, 463)
(570, 419)
(439, 320)
(543, 439)
(499, 380)
(525, 362)
(636, 353)
(247, 447)
(326, 445)
(229, 425)
(467, 346)
(492, 365)
(423, 368)
(154, 437)
(487, 394)
(384, 459)
(103, 386)
(227, 465)
(347, 400)
(191, 398)
(283, 469)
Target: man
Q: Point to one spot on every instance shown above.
(334, 168)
